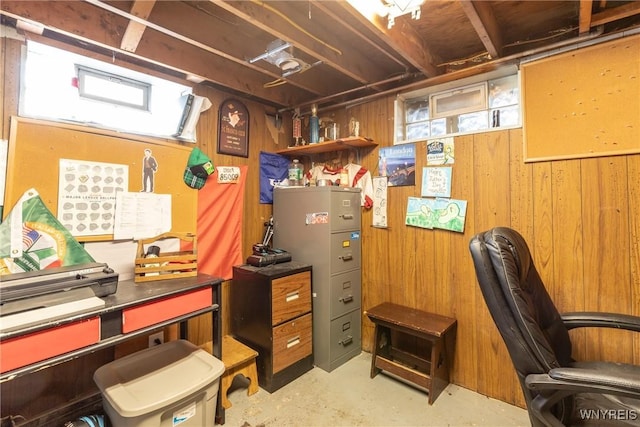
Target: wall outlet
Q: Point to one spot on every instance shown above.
(156, 339)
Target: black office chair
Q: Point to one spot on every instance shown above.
(558, 390)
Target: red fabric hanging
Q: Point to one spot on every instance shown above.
(219, 227)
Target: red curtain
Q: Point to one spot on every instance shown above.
(219, 227)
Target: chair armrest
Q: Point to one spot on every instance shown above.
(601, 320)
(597, 377)
(601, 378)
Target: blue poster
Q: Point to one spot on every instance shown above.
(398, 164)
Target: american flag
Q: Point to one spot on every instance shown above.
(29, 237)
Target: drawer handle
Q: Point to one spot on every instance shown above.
(346, 341)
(293, 341)
(346, 257)
(292, 296)
(346, 299)
(347, 216)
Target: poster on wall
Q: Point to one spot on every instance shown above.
(233, 128)
(436, 182)
(398, 164)
(380, 201)
(440, 151)
(87, 195)
(447, 214)
(141, 215)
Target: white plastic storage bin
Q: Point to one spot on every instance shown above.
(173, 384)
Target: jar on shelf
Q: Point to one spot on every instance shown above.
(295, 173)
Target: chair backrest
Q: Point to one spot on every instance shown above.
(521, 308)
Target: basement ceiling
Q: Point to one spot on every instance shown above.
(291, 54)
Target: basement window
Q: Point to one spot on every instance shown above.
(113, 88)
(62, 86)
(455, 108)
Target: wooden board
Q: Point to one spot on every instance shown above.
(583, 103)
(36, 147)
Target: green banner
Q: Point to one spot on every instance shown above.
(32, 238)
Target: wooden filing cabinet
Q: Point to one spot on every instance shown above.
(271, 312)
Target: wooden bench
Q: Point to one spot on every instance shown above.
(424, 360)
(237, 359)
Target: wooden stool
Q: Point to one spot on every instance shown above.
(238, 359)
(429, 371)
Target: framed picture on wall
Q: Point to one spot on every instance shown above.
(233, 128)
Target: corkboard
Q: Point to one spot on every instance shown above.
(583, 103)
(36, 147)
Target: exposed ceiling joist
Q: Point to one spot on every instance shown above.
(346, 55)
(182, 38)
(584, 22)
(101, 29)
(281, 23)
(615, 13)
(483, 20)
(403, 39)
(134, 31)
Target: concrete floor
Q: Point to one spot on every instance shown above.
(348, 397)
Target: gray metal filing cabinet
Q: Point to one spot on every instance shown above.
(321, 226)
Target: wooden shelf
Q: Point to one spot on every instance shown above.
(326, 146)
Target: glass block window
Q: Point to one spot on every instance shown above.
(492, 104)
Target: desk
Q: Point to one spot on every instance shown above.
(430, 371)
(134, 310)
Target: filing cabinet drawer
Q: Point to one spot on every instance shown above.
(345, 251)
(291, 297)
(345, 211)
(345, 334)
(345, 293)
(292, 341)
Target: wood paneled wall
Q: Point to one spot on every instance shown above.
(580, 218)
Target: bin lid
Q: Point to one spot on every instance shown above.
(151, 379)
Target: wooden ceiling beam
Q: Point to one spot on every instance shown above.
(281, 20)
(484, 22)
(402, 38)
(214, 29)
(103, 29)
(134, 31)
(192, 42)
(339, 17)
(584, 20)
(615, 13)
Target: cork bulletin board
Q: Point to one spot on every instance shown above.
(36, 148)
(583, 103)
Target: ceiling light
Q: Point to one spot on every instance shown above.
(278, 55)
(394, 8)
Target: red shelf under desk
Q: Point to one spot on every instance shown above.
(151, 313)
(28, 349)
